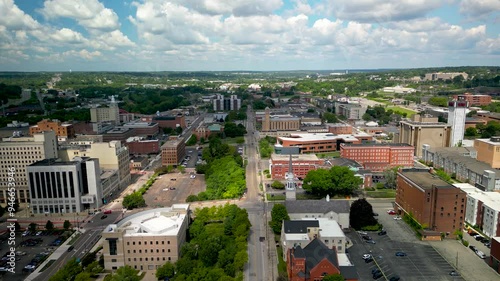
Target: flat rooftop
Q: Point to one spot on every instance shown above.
(154, 222)
(329, 228)
(489, 141)
(424, 179)
(295, 157)
(323, 136)
(377, 144)
(489, 198)
(53, 162)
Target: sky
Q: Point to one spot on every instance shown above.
(253, 35)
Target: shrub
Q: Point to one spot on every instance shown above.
(466, 243)
(372, 227)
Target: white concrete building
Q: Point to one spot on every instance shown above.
(146, 240)
(457, 112)
(64, 187)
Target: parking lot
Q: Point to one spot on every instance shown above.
(174, 188)
(31, 251)
(420, 260)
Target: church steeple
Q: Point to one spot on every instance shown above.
(290, 181)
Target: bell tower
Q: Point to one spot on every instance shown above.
(290, 182)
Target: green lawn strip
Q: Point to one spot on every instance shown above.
(47, 265)
(73, 240)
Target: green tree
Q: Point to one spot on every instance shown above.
(361, 214)
(330, 117)
(71, 269)
(125, 273)
(165, 271)
(134, 200)
(438, 101)
(192, 140)
(94, 268)
(333, 277)
(278, 215)
(278, 185)
(49, 225)
(32, 227)
(83, 276)
(338, 180)
(390, 176)
(471, 132)
(66, 224)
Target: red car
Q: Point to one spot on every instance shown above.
(391, 212)
(107, 212)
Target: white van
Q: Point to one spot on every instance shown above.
(480, 254)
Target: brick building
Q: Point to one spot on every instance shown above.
(474, 100)
(139, 146)
(166, 121)
(118, 134)
(172, 152)
(143, 129)
(494, 259)
(435, 204)
(488, 151)
(138, 163)
(314, 261)
(302, 164)
(379, 156)
(339, 128)
(63, 131)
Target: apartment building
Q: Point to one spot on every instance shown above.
(146, 240)
(482, 209)
(435, 204)
(420, 130)
(221, 103)
(301, 164)
(474, 100)
(351, 111)
(64, 131)
(379, 156)
(444, 76)
(18, 152)
(172, 152)
(488, 151)
(460, 163)
(64, 187)
(321, 142)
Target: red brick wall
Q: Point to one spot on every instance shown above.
(322, 267)
(149, 147)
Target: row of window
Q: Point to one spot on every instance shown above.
(150, 250)
(146, 259)
(146, 242)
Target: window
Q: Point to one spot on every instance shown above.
(113, 260)
(112, 247)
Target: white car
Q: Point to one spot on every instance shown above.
(166, 189)
(366, 256)
(398, 218)
(192, 176)
(480, 254)
(362, 232)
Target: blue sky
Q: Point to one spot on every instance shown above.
(192, 35)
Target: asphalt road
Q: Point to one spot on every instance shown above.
(258, 264)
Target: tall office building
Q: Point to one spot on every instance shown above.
(457, 112)
(16, 153)
(109, 113)
(64, 187)
(221, 103)
(420, 130)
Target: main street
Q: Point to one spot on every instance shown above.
(259, 265)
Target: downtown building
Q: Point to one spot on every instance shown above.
(301, 164)
(378, 157)
(172, 152)
(146, 240)
(106, 114)
(64, 131)
(64, 186)
(221, 103)
(420, 130)
(18, 152)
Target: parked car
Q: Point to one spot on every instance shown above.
(70, 248)
(366, 237)
(369, 260)
(377, 275)
(173, 179)
(480, 254)
(103, 217)
(391, 212)
(362, 232)
(472, 247)
(370, 242)
(382, 232)
(375, 270)
(487, 244)
(454, 273)
(394, 278)
(107, 212)
(398, 218)
(367, 256)
(401, 254)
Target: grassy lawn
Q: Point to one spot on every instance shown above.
(335, 154)
(409, 112)
(281, 262)
(381, 100)
(233, 140)
(382, 193)
(276, 197)
(306, 196)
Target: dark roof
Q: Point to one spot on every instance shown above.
(349, 272)
(424, 179)
(317, 206)
(299, 226)
(316, 251)
(53, 161)
(345, 162)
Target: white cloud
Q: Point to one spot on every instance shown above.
(232, 7)
(90, 14)
(479, 8)
(490, 45)
(110, 41)
(14, 18)
(378, 11)
(66, 35)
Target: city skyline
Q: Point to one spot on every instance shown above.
(258, 35)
